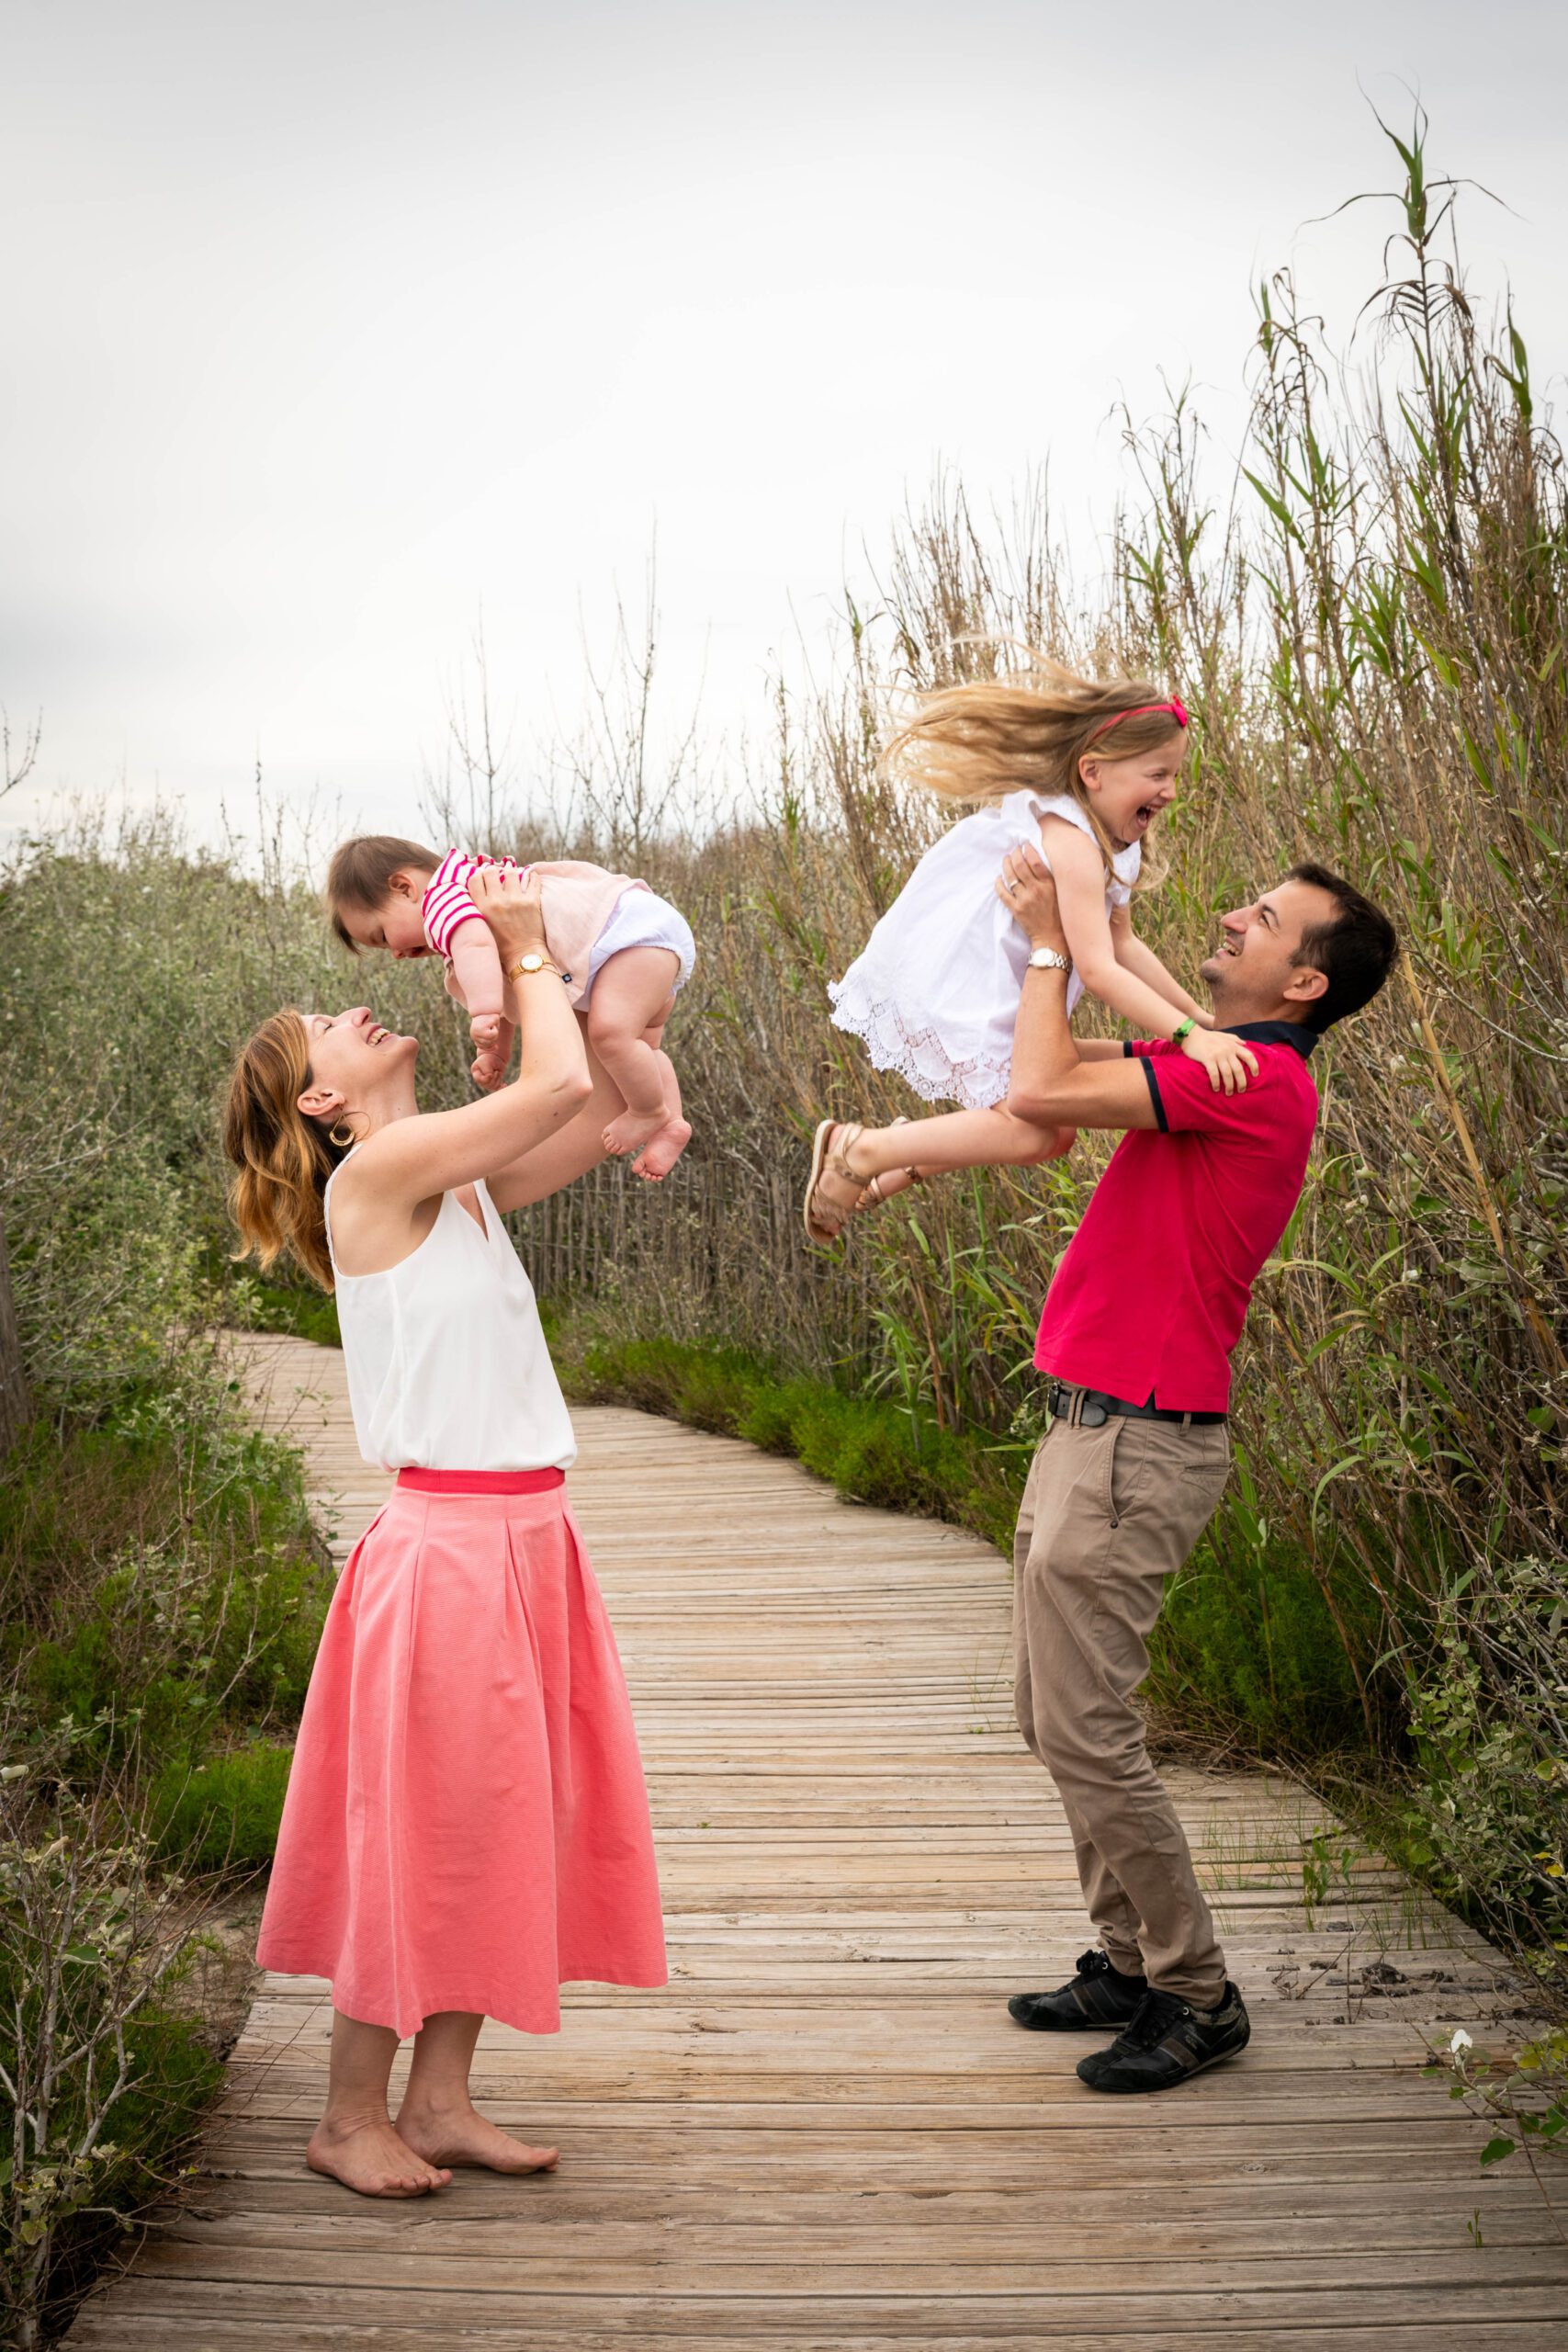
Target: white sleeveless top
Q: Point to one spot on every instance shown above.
(447, 1361)
(935, 992)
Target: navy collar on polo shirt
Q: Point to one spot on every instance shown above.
(1277, 1032)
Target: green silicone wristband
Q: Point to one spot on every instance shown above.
(1183, 1029)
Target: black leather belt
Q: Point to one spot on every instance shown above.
(1090, 1409)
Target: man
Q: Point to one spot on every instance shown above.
(1135, 1340)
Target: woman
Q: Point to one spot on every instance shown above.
(466, 1826)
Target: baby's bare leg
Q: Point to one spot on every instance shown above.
(658, 1155)
(626, 1013)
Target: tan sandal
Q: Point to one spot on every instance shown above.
(825, 1219)
(874, 1191)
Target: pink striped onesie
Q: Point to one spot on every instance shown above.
(590, 914)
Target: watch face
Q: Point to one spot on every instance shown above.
(532, 963)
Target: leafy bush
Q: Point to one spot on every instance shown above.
(224, 1813)
(101, 2077)
(158, 1579)
(1487, 1717)
(160, 1592)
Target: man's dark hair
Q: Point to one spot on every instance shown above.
(1355, 949)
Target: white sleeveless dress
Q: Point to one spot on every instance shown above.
(935, 993)
(446, 1362)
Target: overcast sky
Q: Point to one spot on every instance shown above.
(328, 325)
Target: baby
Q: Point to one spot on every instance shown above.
(622, 952)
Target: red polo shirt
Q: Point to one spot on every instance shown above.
(1151, 1295)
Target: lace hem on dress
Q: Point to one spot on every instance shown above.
(920, 1057)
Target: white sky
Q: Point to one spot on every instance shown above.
(330, 324)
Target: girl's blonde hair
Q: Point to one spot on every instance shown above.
(282, 1158)
(987, 737)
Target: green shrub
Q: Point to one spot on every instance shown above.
(1251, 1646)
(104, 2076)
(224, 1814)
(160, 1579)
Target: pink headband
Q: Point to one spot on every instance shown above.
(1177, 709)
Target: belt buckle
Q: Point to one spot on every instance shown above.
(1073, 1404)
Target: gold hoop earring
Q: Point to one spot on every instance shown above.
(342, 1141)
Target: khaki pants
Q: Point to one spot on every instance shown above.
(1108, 1514)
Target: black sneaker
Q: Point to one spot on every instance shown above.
(1168, 2041)
(1096, 1999)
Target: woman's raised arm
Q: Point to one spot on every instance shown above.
(436, 1151)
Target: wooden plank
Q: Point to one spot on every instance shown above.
(230, 2332)
(828, 2136)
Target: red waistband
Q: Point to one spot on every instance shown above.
(482, 1482)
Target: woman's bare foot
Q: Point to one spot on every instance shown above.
(460, 2135)
(631, 1129)
(657, 1158)
(371, 2158)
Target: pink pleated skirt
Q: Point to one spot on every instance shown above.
(467, 1824)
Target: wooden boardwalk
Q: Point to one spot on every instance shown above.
(827, 2136)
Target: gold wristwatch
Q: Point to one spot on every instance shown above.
(534, 962)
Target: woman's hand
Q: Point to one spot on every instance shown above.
(1026, 888)
(509, 902)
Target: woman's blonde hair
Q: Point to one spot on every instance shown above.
(282, 1158)
(987, 737)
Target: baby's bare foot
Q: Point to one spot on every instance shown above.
(462, 2136)
(373, 2160)
(659, 1157)
(632, 1128)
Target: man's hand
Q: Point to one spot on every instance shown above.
(1025, 887)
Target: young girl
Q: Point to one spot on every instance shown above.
(623, 953)
(1078, 769)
